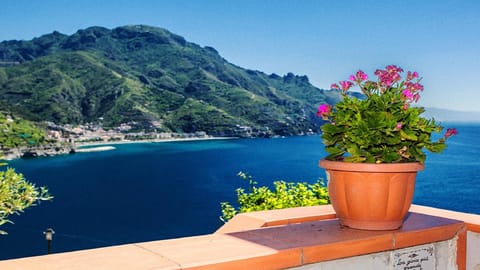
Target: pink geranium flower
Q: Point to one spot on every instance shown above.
(450, 132)
(407, 94)
(346, 85)
(359, 77)
(334, 86)
(323, 111)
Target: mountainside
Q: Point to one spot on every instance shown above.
(152, 79)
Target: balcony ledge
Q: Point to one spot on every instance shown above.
(276, 239)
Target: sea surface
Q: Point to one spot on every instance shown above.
(151, 191)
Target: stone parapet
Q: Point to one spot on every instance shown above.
(299, 238)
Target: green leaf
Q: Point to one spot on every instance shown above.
(408, 135)
(390, 157)
(356, 159)
(436, 147)
(334, 150)
(353, 149)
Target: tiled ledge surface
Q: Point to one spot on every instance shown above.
(255, 245)
(471, 220)
(260, 219)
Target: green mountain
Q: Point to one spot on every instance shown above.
(152, 79)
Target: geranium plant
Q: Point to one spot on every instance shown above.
(382, 127)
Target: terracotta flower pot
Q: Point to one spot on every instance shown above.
(371, 196)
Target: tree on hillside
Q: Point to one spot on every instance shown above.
(18, 132)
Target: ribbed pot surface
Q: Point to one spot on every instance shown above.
(371, 196)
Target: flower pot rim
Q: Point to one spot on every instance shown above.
(371, 167)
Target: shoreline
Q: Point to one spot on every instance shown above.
(86, 145)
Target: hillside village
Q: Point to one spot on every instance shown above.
(95, 133)
(68, 139)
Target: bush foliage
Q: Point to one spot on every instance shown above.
(16, 193)
(283, 195)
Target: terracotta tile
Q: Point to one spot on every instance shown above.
(419, 221)
(298, 215)
(253, 220)
(320, 240)
(326, 240)
(118, 258)
(280, 260)
(346, 249)
(300, 219)
(473, 227)
(288, 236)
(472, 220)
(420, 229)
(241, 222)
(293, 213)
(462, 250)
(216, 250)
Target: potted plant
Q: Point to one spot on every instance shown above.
(376, 146)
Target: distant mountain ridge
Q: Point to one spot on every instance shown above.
(452, 115)
(153, 79)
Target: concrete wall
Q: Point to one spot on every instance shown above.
(473, 251)
(436, 256)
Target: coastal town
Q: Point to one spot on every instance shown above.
(60, 139)
(88, 134)
(69, 139)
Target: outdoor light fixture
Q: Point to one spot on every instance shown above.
(49, 236)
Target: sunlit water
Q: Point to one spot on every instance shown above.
(152, 191)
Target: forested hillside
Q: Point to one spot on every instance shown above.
(153, 80)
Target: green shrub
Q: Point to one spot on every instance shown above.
(283, 195)
(16, 194)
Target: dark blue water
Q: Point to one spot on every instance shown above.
(152, 191)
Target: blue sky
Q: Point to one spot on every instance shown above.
(326, 40)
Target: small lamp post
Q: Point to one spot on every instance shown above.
(49, 236)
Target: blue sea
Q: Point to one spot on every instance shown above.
(152, 191)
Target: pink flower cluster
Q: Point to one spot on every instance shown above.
(389, 76)
(359, 77)
(344, 86)
(412, 89)
(388, 79)
(390, 97)
(323, 111)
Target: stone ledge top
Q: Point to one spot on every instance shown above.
(303, 237)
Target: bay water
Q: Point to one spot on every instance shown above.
(152, 191)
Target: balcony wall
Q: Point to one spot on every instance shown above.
(303, 238)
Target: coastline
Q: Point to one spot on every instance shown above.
(83, 145)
